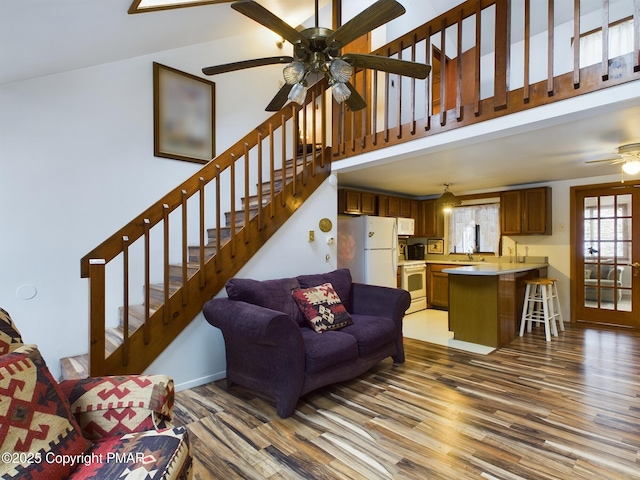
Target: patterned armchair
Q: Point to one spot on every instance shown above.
(106, 427)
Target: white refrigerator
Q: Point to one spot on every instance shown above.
(368, 246)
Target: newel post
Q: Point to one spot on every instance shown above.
(97, 268)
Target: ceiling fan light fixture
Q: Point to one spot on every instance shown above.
(294, 72)
(298, 93)
(631, 167)
(340, 70)
(340, 92)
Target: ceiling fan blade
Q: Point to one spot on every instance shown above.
(258, 62)
(612, 161)
(391, 65)
(280, 99)
(355, 102)
(378, 14)
(258, 13)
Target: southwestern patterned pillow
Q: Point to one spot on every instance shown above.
(10, 338)
(322, 308)
(35, 419)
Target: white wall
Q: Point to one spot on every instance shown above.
(76, 164)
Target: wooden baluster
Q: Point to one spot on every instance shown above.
(428, 107)
(165, 264)
(247, 199)
(342, 126)
(399, 96)
(527, 51)
(443, 72)
(576, 43)
(283, 158)
(413, 88)
(146, 223)
(459, 80)
(365, 110)
(218, 223)
(272, 172)
(605, 40)
(203, 232)
(294, 149)
(323, 127)
(374, 99)
(303, 112)
(550, 48)
(503, 47)
(185, 249)
(232, 172)
(636, 35)
(125, 301)
(314, 125)
(352, 117)
(97, 295)
(259, 181)
(386, 106)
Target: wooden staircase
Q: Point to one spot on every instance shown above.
(258, 184)
(78, 366)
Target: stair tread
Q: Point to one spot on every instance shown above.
(74, 368)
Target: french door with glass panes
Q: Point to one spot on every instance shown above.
(607, 252)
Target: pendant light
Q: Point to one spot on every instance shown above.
(448, 200)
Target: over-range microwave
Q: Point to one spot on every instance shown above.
(405, 226)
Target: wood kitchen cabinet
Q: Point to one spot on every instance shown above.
(526, 212)
(430, 221)
(355, 202)
(437, 286)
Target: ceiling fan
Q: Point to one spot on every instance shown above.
(317, 52)
(629, 158)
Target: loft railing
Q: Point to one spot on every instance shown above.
(489, 58)
(180, 252)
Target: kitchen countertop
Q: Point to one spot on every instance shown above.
(494, 268)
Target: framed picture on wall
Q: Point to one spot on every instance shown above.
(183, 115)
(435, 245)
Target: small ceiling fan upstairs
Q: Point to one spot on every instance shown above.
(629, 158)
(317, 52)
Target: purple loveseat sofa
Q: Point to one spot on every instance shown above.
(272, 349)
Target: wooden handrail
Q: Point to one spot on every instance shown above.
(180, 293)
(396, 114)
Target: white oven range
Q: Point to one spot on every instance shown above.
(414, 280)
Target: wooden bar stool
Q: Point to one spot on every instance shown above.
(540, 300)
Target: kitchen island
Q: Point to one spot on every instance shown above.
(485, 301)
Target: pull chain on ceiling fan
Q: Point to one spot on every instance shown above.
(317, 52)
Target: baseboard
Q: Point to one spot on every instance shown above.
(200, 381)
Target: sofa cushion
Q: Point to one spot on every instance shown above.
(371, 332)
(10, 338)
(328, 349)
(340, 279)
(35, 418)
(272, 294)
(322, 308)
(158, 454)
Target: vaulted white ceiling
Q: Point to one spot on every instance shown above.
(44, 37)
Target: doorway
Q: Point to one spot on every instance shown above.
(606, 254)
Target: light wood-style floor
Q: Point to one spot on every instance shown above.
(567, 409)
